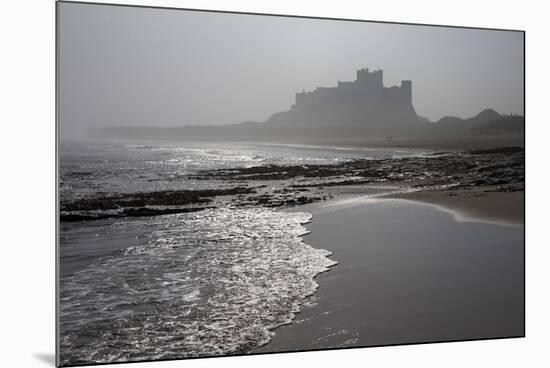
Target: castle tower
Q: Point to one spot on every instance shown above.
(361, 73)
(378, 78)
(374, 79)
(406, 87)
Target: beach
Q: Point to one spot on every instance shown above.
(408, 272)
(171, 251)
(474, 205)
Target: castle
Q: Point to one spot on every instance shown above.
(364, 103)
(367, 89)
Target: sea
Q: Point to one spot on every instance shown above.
(206, 283)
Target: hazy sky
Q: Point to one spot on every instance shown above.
(122, 66)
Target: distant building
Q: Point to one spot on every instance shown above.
(367, 89)
(364, 103)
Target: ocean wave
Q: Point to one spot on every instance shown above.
(209, 283)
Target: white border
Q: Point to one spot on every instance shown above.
(27, 84)
(466, 13)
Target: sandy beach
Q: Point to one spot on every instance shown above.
(410, 272)
(474, 205)
(428, 245)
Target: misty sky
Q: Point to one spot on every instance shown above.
(122, 66)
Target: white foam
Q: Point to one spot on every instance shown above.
(207, 283)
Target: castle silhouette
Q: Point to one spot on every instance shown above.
(363, 102)
(368, 88)
(350, 111)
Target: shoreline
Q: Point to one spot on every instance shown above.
(451, 280)
(506, 208)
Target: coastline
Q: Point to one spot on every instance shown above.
(475, 205)
(394, 248)
(408, 272)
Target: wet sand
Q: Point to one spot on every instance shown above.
(408, 273)
(474, 205)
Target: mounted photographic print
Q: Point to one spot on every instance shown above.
(233, 183)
